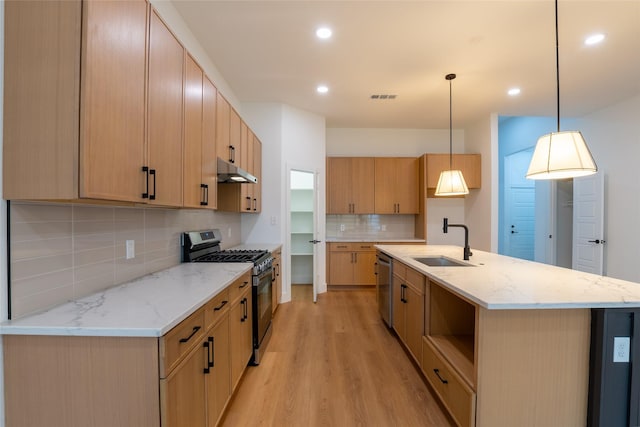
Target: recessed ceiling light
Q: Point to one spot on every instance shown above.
(322, 89)
(324, 32)
(594, 39)
(514, 91)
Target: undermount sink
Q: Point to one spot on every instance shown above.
(440, 261)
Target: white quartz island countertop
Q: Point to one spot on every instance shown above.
(499, 282)
(146, 307)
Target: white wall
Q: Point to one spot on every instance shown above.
(292, 138)
(481, 206)
(613, 135)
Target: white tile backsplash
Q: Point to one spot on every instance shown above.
(370, 227)
(60, 252)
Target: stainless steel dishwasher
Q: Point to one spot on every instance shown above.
(385, 291)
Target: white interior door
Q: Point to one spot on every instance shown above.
(303, 229)
(588, 223)
(519, 223)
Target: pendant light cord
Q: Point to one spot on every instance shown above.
(557, 72)
(450, 128)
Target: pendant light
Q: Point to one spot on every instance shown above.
(561, 155)
(451, 182)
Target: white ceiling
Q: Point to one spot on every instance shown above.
(268, 52)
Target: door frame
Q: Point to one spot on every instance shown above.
(318, 249)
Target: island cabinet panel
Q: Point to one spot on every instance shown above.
(350, 185)
(396, 185)
(81, 381)
(409, 307)
(74, 105)
(533, 367)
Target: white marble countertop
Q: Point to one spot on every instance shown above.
(501, 282)
(146, 307)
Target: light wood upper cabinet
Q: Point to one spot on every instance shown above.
(209, 149)
(223, 117)
(199, 151)
(350, 185)
(469, 164)
(194, 194)
(93, 146)
(244, 198)
(235, 137)
(165, 101)
(396, 185)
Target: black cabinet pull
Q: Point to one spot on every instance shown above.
(205, 195)
(248, 208)
(221, 305)
(145, 169)
(232, 154)
(205, 345)
(402, 294)
(246, 309)
(195, 329)
(211, 359)
(437, 371)
(242, 319)
(244, 284)
(255, 204)
(153, 172)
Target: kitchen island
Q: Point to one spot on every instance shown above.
(504, 341)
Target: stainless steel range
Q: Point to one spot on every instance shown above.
(204, 246)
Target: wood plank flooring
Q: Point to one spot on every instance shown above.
(333, 363)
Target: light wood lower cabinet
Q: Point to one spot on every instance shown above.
(184, 378)
(351, 264)
(276, 286)
(409, 307)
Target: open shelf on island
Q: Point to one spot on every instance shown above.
(452, 324)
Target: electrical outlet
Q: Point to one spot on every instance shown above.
(621, 349)
(229, 232)
(341, 227)
(131, 249)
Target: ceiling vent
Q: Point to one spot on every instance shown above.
(383, 96)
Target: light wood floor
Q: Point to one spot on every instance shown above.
(333, 363)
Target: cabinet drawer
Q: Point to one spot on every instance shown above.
(415, 279)
(237, 288)
(340, 247)
(217, 307)
(179, 340)
(455, 394)
(399, 269)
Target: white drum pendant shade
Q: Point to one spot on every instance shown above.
(561, 155)
(451, 183)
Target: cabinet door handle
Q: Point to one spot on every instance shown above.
(255, 204)
(203, 202)
(402, 293)
(232, 154)
(248, 208)
(193, 332)
(246, 309)
(355, 256)
(243, 310)
(222, 304)
(212, 347)
(145, 169)
(207, 349)
(153, 172)
(244, 284)
(437, 372)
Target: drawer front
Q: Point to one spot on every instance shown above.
(179, 340)
(340, 247)
(456, 395)
(217, 307)
(399, 269)
(237, 288)
(364, 247)
(416, 279)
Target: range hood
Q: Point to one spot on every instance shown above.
(228, 173)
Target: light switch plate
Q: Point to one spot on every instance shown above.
(131, 249)
(621, 349)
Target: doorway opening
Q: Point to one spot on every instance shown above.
(303, 234)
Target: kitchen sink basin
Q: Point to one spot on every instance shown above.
(440, 261)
